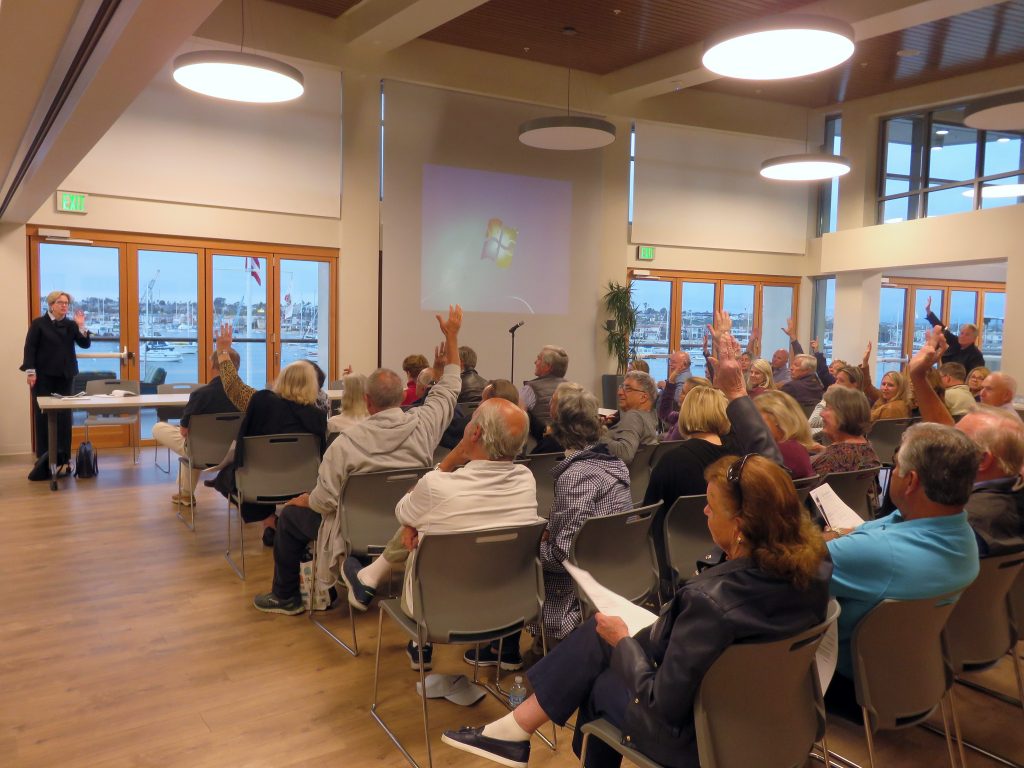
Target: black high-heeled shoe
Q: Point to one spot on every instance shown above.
(268, 536)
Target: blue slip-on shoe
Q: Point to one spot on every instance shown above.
(511, 658)
(359, 595)
(414, 652)
(514, 754)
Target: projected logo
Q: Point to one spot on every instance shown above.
(499, 243)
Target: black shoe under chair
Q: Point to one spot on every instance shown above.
(41, 469)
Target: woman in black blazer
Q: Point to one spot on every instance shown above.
(51, 365)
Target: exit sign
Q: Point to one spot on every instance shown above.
(71, 202)
(645, 253)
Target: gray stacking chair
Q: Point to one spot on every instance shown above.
(114, 417)
(901, 667)
(618, 552)
(640, 472)
(277, 469)
(541, 465)
(737, 718)
(368, 523)
(686, 537)
(209, 438)
(855, 488)
(462, 598)
(805, 485)
(885, 436)
(662, 448)
(169, 413)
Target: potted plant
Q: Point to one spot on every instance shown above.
(619, 327)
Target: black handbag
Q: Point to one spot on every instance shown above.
(86, 461)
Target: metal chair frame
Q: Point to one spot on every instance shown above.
(640, 471)
(209, 438)
(114, 417)
(168, 412)
(541, 464)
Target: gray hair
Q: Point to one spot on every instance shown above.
(424, 380)
(945, 460)
(998, 432)
(575, 423)
(385, 389)
(557, 358)
(1005, 380)
(805, 362)
(504, 427)
(467, 356)
(853, 413)
(52, 297)
(646, 383)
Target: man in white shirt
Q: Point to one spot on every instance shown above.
(958, 396)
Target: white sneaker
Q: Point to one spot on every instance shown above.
(183, 499)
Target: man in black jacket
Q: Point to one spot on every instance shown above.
(962, 346)
(51, 365)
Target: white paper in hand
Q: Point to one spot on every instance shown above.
(610, 603)
(837, 513)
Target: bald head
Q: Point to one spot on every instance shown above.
(384, 389)
(497, 430)
(780, 359)
(1000, 435)
(998, 389)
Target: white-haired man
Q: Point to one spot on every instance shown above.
(550, 367)
(998, 390)
(804, 385)
(637, 424)
(962, 347)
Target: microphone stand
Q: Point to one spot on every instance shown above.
(512, 366)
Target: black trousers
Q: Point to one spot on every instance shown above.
(45, 386)
(575, 675)
(296, 527)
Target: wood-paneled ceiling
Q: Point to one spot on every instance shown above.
(616, 35)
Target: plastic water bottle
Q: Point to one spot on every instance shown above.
(517, 693)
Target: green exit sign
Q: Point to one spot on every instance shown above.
(645, 253)
(71, 202)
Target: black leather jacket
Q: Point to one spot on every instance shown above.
(663, 666)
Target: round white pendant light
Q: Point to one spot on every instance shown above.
(999, 113)
(778, 48)
(998, 191)
(809, 167)
(567, 132)
(238, 76)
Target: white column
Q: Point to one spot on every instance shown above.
(1013, 333)
(856, 315)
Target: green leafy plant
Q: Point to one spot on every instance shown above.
(618, 302)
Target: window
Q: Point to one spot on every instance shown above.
(933, 165)
(823, 316)
(675, 309)
(632, 169)
(828, 196)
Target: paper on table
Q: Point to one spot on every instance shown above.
(67, 397)
(608, 602)
(827, 656)
(837, 513)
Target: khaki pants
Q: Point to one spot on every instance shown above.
(169, 436)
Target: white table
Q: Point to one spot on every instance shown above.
(51, 406)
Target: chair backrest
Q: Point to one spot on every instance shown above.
(856, 488)
(640, 472)
(469, 408)
(808, 409)
(1017, 603)
(168, 412)
(687, 538)
(368, 507)
(900, 667)
(478, 584)
(278, 467)
(805, 485)
(541, 465)
(736, 715)
(980, 630)
(210, 436)
(618, 551)
(662, 448)
(105, 387)
(885, 436)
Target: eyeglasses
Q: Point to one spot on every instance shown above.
(624, 388)
(65, 303)
(735, 474)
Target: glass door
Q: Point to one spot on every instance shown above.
(303, 288)
(776, 309)
(653, 300)
(738, 300)
(892, 312)
(239, 297)
(993, 312)
(697, 311)
(919, 323)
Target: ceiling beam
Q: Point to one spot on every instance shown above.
(681, 69)
(384, 25)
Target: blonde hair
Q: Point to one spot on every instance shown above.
(765, 369)
(901, 386)
(703, 410)
(787, 413)
(52, 297)
(353, 401)
(297, 382)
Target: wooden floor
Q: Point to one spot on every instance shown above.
(127, 641)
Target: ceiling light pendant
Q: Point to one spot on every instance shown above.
(238, 76)
(567, 132)
(997, 191)
(808, 167)
(779, 47)
(999, 113)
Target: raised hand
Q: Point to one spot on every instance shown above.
(790, 329)
(440, 358)
(80, 319)
(347, 371)
(867, 355)
(450, 327)
(928, 305)
(930, 352)
(224, 337)
(814, 346)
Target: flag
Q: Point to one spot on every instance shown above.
(254, 269)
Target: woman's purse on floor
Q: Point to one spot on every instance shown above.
(86, 461)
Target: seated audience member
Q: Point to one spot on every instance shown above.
(323, 402)
(924, 549)
(780, 367)
(845, 417)
(998, 390)
(975, 379)
(958, 396)
(472, 382)
(890, 399)
(353, 404)
(589, 482)
(550, 368)
(637, 425)
(803, 384)
(774, 584)
(934, 383)
(848, 377)
(638, 364)
(389, 439)
(680, 363)
(821, 368)
(502, 388)
(788, 426)
(237, 391)
(290, 407)
(413, 365)
(961, 347)
(760, 378)
(209, 398)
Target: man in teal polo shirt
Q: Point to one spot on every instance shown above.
(924, 549)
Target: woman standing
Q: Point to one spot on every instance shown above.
(51, 365)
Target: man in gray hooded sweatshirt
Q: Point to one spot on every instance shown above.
(389, 439)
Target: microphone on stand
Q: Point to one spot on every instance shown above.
(517, 326)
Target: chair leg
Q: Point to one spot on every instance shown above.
(373, 704)
(352, 649)
(867, 736)
(240, 572)
(423, 700)
(945, 730)
(179, 511)
(1015, 660)
(825, 756)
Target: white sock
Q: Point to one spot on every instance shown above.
(373, 574)
(506, 729)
